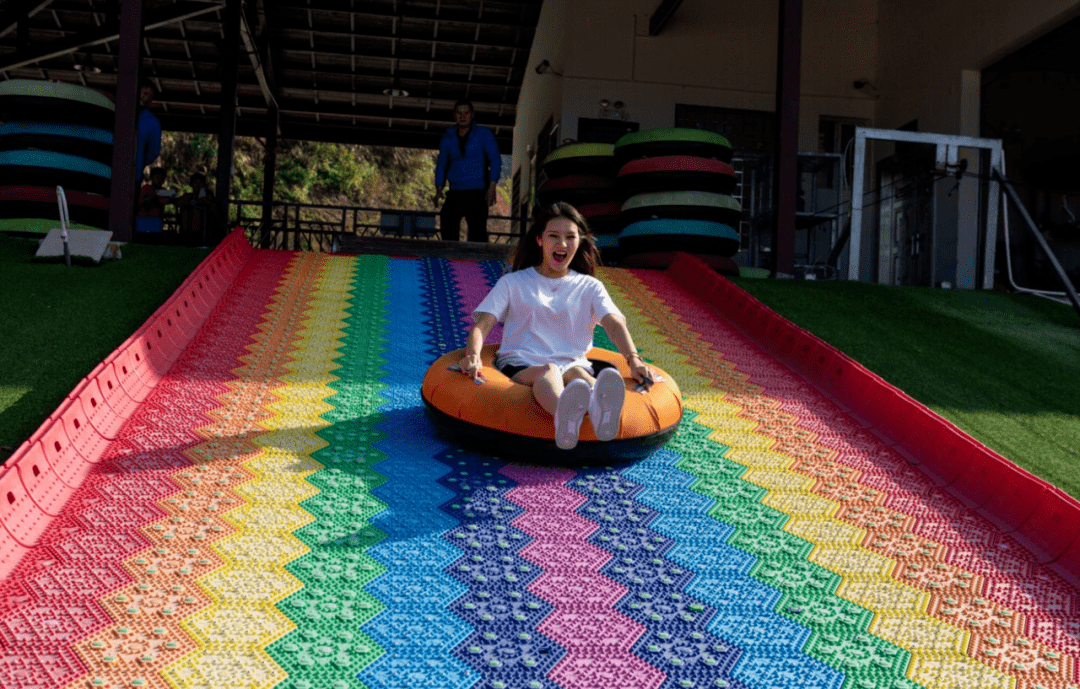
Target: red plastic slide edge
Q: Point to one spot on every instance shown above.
(1039, 515)
(40, 477)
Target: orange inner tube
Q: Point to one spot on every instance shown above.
(503, 405)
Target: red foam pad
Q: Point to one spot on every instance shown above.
(676, 164)
(48, 195)
(580, 182)
(45, 488)
(1016, 499)
(63, 456)
(1053, 526)
(20, 515)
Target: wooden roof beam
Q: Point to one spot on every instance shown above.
(107, 34)
(13, 15)
(661, 16)
(257, 60)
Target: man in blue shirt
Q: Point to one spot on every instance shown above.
(469, 160)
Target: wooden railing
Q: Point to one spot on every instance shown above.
(321, 227)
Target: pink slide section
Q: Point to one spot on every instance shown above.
(1043, 517)
(39, 478)
(596, 637)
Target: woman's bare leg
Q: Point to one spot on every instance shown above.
(546, 383)
(578, 372)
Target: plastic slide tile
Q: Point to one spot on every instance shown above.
(781, 337)
(155, 359)
(735, 305)
(19, 514)
(1054, 525)
(1016, 499)
(192, 295)
(161, 334)
(895, 418)
(64, 458)
(129, 380)
(861, 391)
(11, 553)
(97, 411)
(114, 395)
(80, 432)
(817, 362)
(981, 478)
(139, 363)
(45, 488)
(180, 330)
(939, 448)
(1068, 563)
(186, 316)
(755, 321)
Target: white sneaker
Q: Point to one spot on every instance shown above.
(573, 403)
(605, 407)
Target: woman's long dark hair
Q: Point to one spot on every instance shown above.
(528, 253)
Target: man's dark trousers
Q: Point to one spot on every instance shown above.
(470, 204)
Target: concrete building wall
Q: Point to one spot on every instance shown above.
(928, 50)
(922, 60)
(542, 94)
(711, 54)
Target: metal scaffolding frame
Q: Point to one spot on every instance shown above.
(947, 157)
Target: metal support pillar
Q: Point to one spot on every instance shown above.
(125, 129)
(269, 170)
(785, 169)
(230, 54)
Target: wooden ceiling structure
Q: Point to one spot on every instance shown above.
(374, 72)
(383, 72)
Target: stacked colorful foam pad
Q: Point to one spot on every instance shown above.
(650, 194)
(271, 508)
(54, 134)
(677, 183)
(583, 175)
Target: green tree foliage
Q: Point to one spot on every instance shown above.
(315, 172)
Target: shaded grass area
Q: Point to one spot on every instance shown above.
(59, 322)
(1005, 368)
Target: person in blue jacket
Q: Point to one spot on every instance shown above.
(148, 146)
(469, 160)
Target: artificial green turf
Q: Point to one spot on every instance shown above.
(60, 322)
(1005, 368)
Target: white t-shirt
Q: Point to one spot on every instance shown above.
(546, 320)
